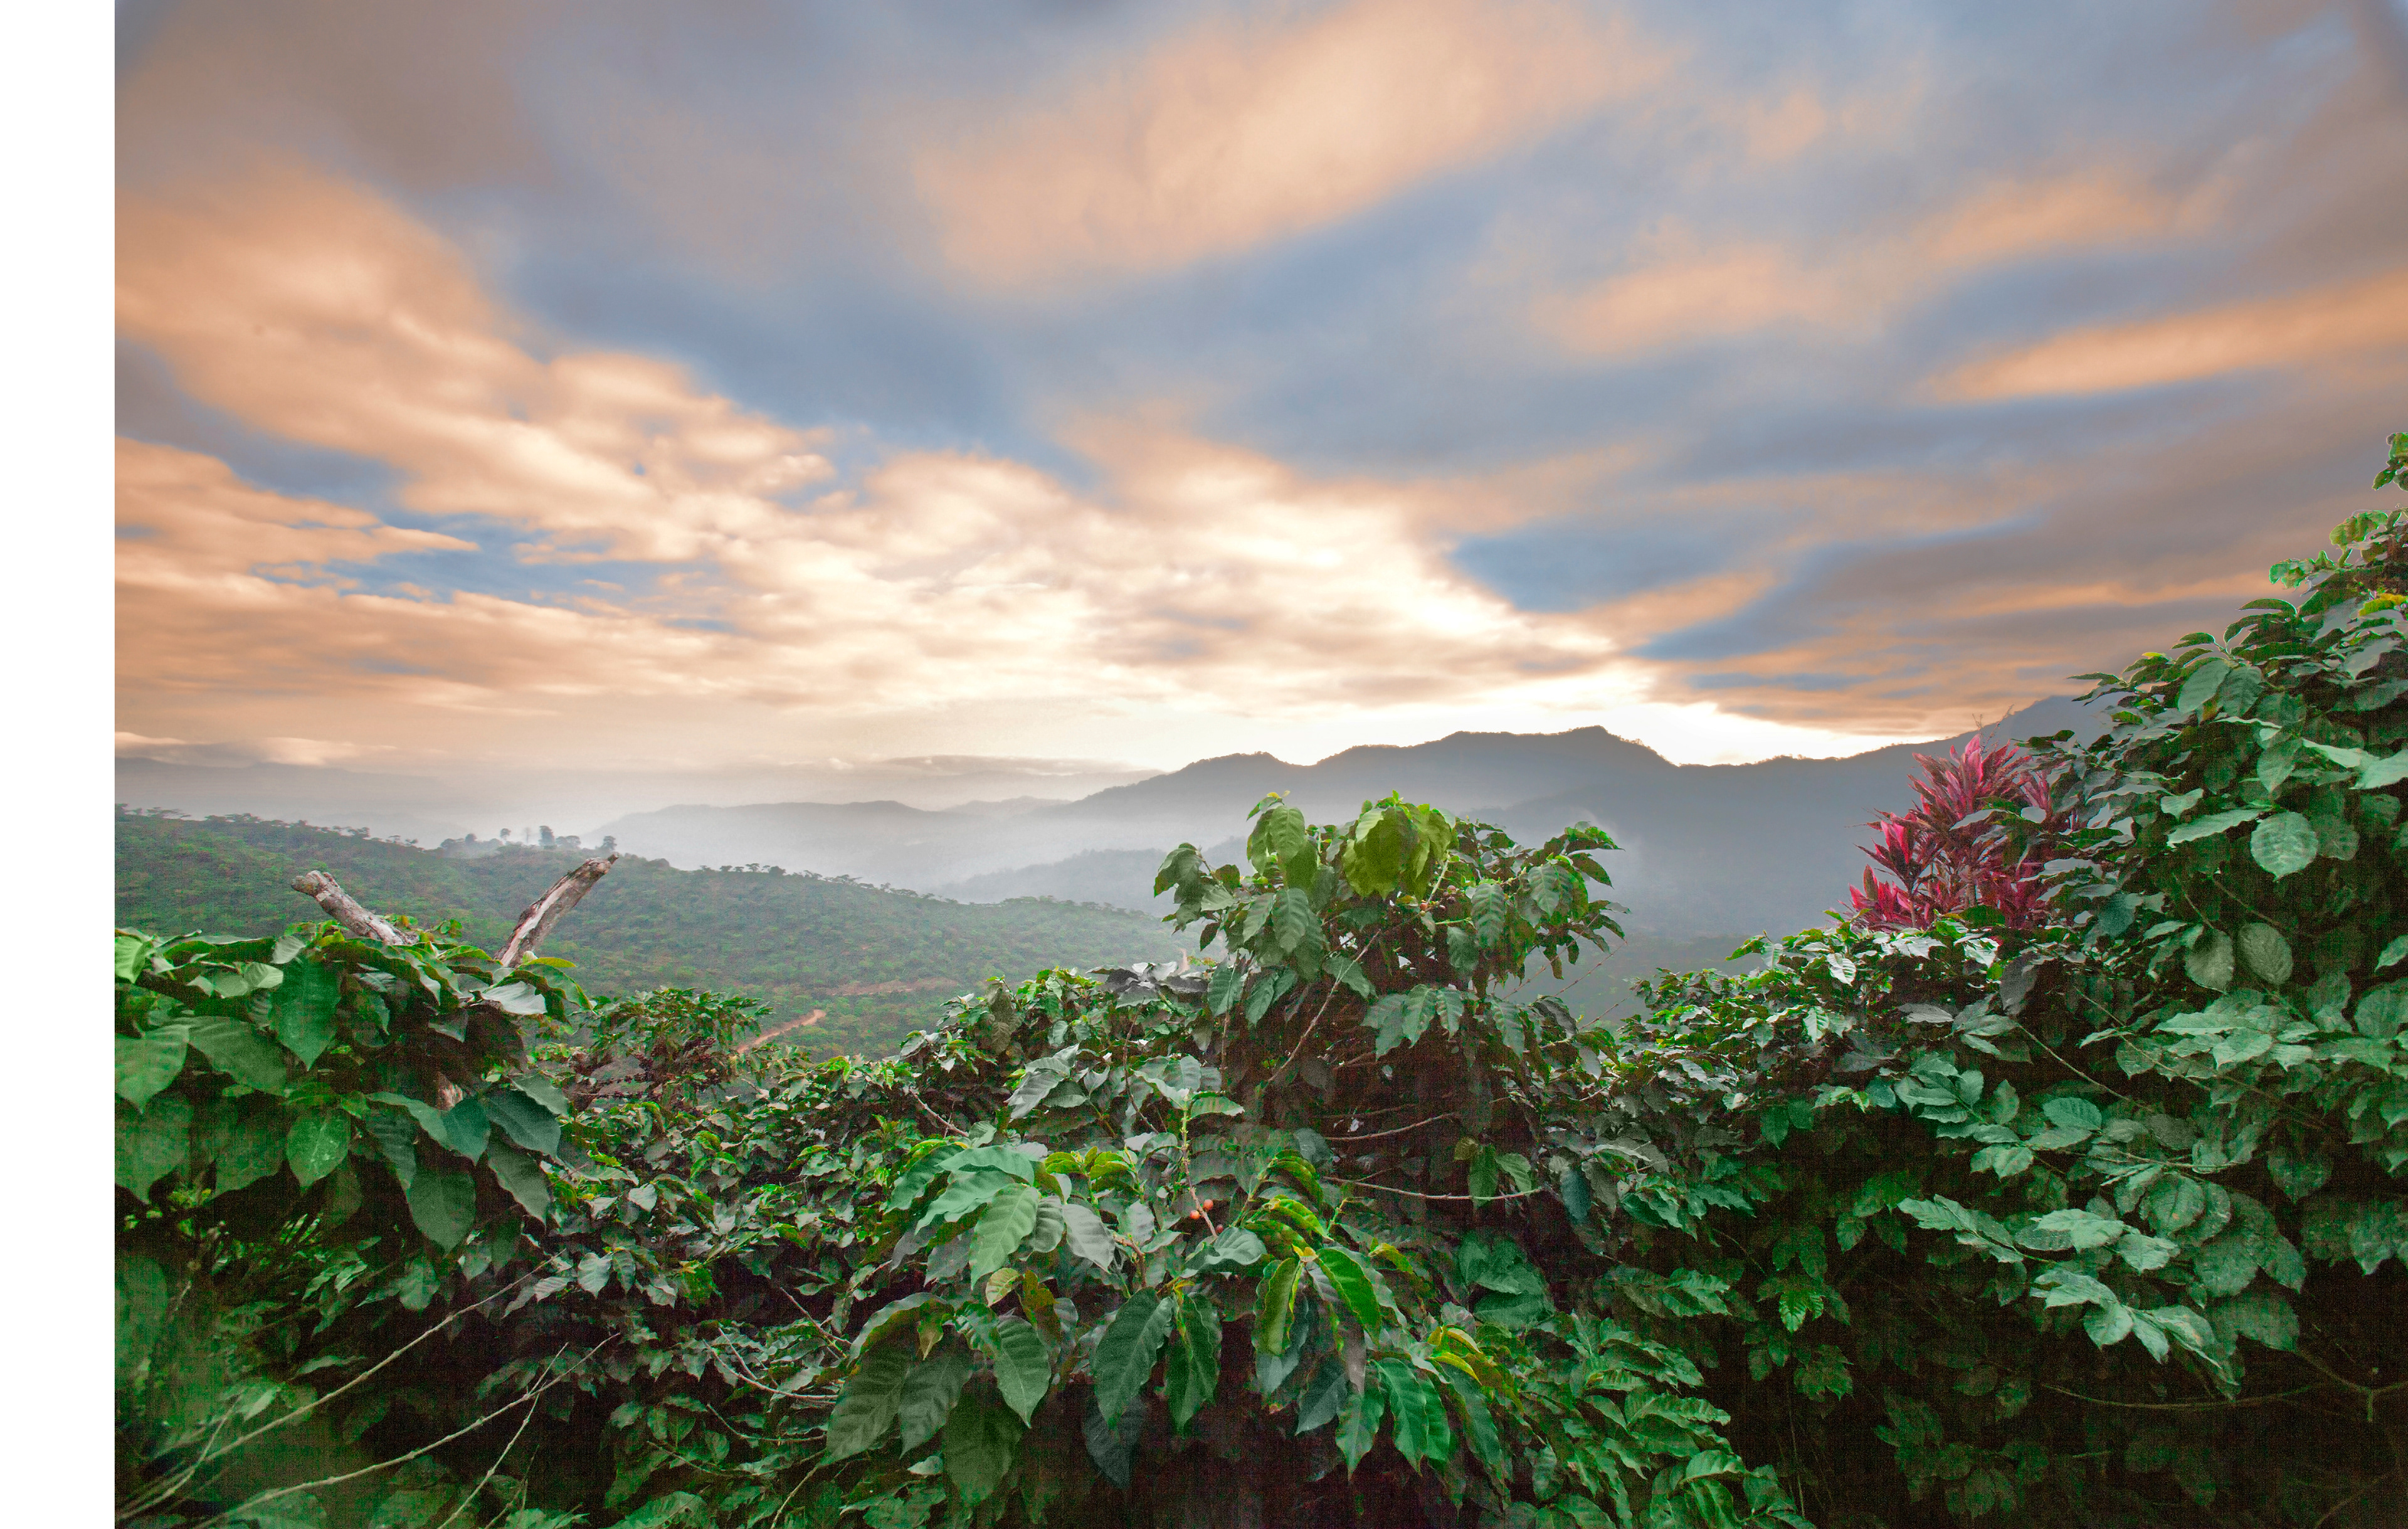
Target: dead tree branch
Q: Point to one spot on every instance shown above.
(545, 911)
(344, 910)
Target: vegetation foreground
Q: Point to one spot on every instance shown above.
(2061, 1185)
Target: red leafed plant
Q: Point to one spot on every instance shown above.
(1956, 851)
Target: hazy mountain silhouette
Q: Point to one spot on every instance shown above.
(1708, 850)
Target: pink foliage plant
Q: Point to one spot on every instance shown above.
(1978, 835)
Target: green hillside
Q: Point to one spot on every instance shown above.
(804, 943)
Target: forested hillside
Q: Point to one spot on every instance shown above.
(878, 962)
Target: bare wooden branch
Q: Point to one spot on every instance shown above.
(344, 910)
(545, 911)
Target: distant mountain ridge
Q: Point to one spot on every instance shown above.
(1707, 850)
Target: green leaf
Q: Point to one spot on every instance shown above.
(930, 1391)
(151, 1143)
(1349, 971)
(2145, 1253)
(1194, 1371)
(1023, 1369)
(2296, 1174)
(317, 1142)
(2213, 823)
(148, 1064)
(1112, 1445)
(1325, 1392)
(1046, 1235)
(2283, 845)
(2202, 685)
(253, 1150)
(1088, 1238)
(2242, 1045)
(2209, 963)
(132, 954)
(241, 1053)
(2267, 952)
(1293, 923)
(967, 1192)
(2382, 1011)
(1280, 839)
(466, 1128)
(1353, 1283)
(1358, 1425)
(543, 1090)
(304, 1009)
(523, 1120)
(1228, 981)
(677, 1507)
(1479, 1425)
(1275, 1306)
(2225, 1265)
(2071, 1228)
(524, 1176)
(980, 1439)
(2074, 1114)
(1409, 1422)
(870, 1401)
(1492, 1261)
(2259, 1315)
(516, 998)
(2072, 1287)
(2390, 771)
(397, 1139)
(1006, 1223)
(2108, 1325)
(1124, 1358)
(2393, 954)
(443, 1205)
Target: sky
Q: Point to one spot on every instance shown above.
(738, 386)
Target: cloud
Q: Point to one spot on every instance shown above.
(1681, 289)
(181, 515)
(422, 93)
(315, 311)
(2361, 318)
(250, 751)
(1231, 134)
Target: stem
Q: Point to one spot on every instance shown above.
(168, 1489)
(1375, 1135)
(1417, 1194)
(403, 1460)
(470, 1495)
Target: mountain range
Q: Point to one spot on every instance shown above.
(1706, 850)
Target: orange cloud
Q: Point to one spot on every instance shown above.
(2093, 209)
(1229, 135)
(1702, 295)
(317, 312)
(2350, 318)
(1680, 289)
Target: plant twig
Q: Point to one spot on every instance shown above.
(470, 1495)
(462, 1432)
(345, 909)
(1417, 1194)
(211, 1451)
(1375, 1135)
(545, 911)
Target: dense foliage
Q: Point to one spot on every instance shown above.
(871, 958)
(2094, 1221)
(1981, 834)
